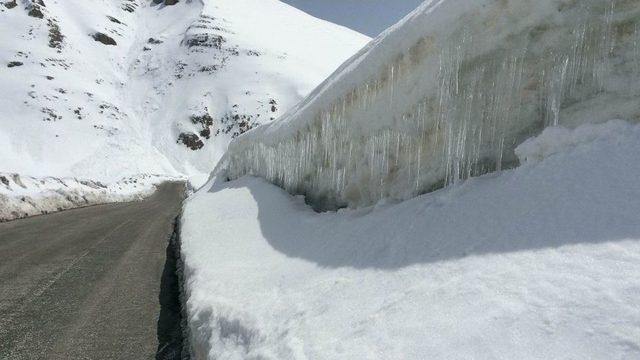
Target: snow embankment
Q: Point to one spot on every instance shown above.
(446, 94)
(537, 262)
(23, 196)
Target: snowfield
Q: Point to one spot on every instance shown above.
(537, 262)
(22, 196)
(107, 89)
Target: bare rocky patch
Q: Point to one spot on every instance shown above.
(191, 140)
(104, 39)
(237, 124)
(129, 5)
(205, 122)
(114, 20)
(204, 40)
(10, 4)
(50, 114)
(55, 36)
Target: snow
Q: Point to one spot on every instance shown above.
(22, 196)
(558, 139)
(79, 108)
(446, 94)
(536, 262)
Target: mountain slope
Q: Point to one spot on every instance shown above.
(105, 89)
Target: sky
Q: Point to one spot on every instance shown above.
(369, 17)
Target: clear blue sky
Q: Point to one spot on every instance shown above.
(369, 17)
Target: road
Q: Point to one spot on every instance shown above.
(92, 283)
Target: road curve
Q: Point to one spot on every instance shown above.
(92, 283)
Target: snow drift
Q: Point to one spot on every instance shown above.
(536, 262)
(22, 196)
(447, 94)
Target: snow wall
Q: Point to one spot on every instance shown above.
(446, 94)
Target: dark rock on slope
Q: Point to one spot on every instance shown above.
(103, 38)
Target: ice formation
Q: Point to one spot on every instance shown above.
(446, 94)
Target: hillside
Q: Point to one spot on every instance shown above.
(107, 89)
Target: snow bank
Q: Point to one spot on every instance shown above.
(22, 196)
(446, 94)
(557, 139)
(537, 262)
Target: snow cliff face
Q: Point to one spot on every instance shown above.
(447, 94)
(103, 89)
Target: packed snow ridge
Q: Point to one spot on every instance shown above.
(446, 94)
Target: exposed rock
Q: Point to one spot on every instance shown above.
(11, 4)
(114, 20)
(55, 36)
(165, 2)
(191, 140)
(204, 40)
(36, 12)
(50, 114)
(205, 121)
(103, 38)
(14, 64)
(129, 6)
(237, 124)
(205, 133)
(208, 68)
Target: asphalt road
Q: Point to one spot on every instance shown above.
(92, 283)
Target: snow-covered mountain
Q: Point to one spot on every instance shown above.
(104, 89)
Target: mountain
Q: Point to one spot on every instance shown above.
(106, 89)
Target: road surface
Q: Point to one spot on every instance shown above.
(92, 283)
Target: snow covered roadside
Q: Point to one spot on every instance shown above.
(23, 196)
(537, 262)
